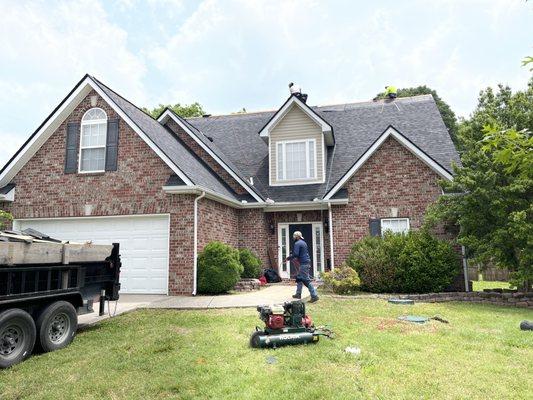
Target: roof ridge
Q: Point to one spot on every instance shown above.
(318, 107)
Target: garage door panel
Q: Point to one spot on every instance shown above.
(143, 245)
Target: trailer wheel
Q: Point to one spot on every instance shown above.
(57, 326)
(255, 341)
(17, 336)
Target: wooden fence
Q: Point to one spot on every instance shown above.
(495, 274)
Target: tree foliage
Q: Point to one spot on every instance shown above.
(448, 116)
(493, 201)
(185, 110)
(500, 107)
(5, 217)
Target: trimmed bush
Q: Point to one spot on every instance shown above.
(342, 280)
(251, 264)
(219, 268)
(416, 262)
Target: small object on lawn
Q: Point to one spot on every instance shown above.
(526, 325)
(353, 350)
(414, 318)
(271, 360)
(437, 318)
(401, 301)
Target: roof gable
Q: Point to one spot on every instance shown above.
(210, 148)
(60, 113)
(389, 132)
(291, 102)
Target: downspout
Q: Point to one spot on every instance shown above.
(330, 219)
(195, 250)
(465, 268)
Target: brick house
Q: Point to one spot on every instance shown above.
(98, 168)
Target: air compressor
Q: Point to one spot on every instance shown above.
(286, 324)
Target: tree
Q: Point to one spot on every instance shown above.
(448, 116)
(5, 217)
(499, 107)
(185, 111)
(493, 201)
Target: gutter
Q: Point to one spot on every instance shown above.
(195, 251)
(268, 206)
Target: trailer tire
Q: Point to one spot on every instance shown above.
(17, 336)
(56, 326)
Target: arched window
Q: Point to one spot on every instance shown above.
(93, 140)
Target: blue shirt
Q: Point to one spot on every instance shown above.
(301, 252)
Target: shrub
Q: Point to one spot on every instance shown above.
(5, 217)
(413, 263)
(374, 259)
(342, 280)
(219, 268)
(251, 264)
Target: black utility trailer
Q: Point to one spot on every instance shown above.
(40, 301)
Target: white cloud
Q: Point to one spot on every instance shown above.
(46, 50)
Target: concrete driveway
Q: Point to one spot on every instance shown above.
(273, 294)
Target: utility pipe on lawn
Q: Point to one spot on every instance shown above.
(330, 219)
(195, 251)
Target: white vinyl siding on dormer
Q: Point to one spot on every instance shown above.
(294, 133)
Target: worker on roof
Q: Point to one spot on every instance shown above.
(296, 91)
(391, 92)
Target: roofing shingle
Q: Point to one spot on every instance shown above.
(356, 127)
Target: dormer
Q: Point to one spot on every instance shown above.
(297, 140)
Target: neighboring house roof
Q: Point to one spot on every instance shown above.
(357, 126)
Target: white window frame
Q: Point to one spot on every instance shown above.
(283, 144)
(92, 122)
(383, 231)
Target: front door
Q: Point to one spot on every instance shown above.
(307, 232)
(312, 233)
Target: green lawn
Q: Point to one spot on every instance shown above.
(204, 354)
(478, 286)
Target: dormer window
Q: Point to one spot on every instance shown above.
(93, 141)
(296, 160)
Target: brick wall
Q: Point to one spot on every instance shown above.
(218, 222)
(391, 178)
(43, 191)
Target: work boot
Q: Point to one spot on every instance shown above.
(296, 296)
(313, 299)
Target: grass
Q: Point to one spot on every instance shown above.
(168, 354)
(478, 286)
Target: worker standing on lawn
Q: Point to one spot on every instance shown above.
(301, 254)
(391, 92)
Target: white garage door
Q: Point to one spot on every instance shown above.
(143, 245)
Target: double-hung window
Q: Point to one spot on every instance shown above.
(296, 160)
(394, 225)
(93, 141)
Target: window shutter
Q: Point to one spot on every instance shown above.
(375, 227)
(71, 156)
(111, 151)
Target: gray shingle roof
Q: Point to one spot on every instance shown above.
(194, 168)
(356, 126)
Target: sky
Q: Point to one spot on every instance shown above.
(232, 54)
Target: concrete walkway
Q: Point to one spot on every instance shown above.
(274, 294)
(270, 295)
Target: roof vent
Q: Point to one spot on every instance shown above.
(206, 115)
(210, 138)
